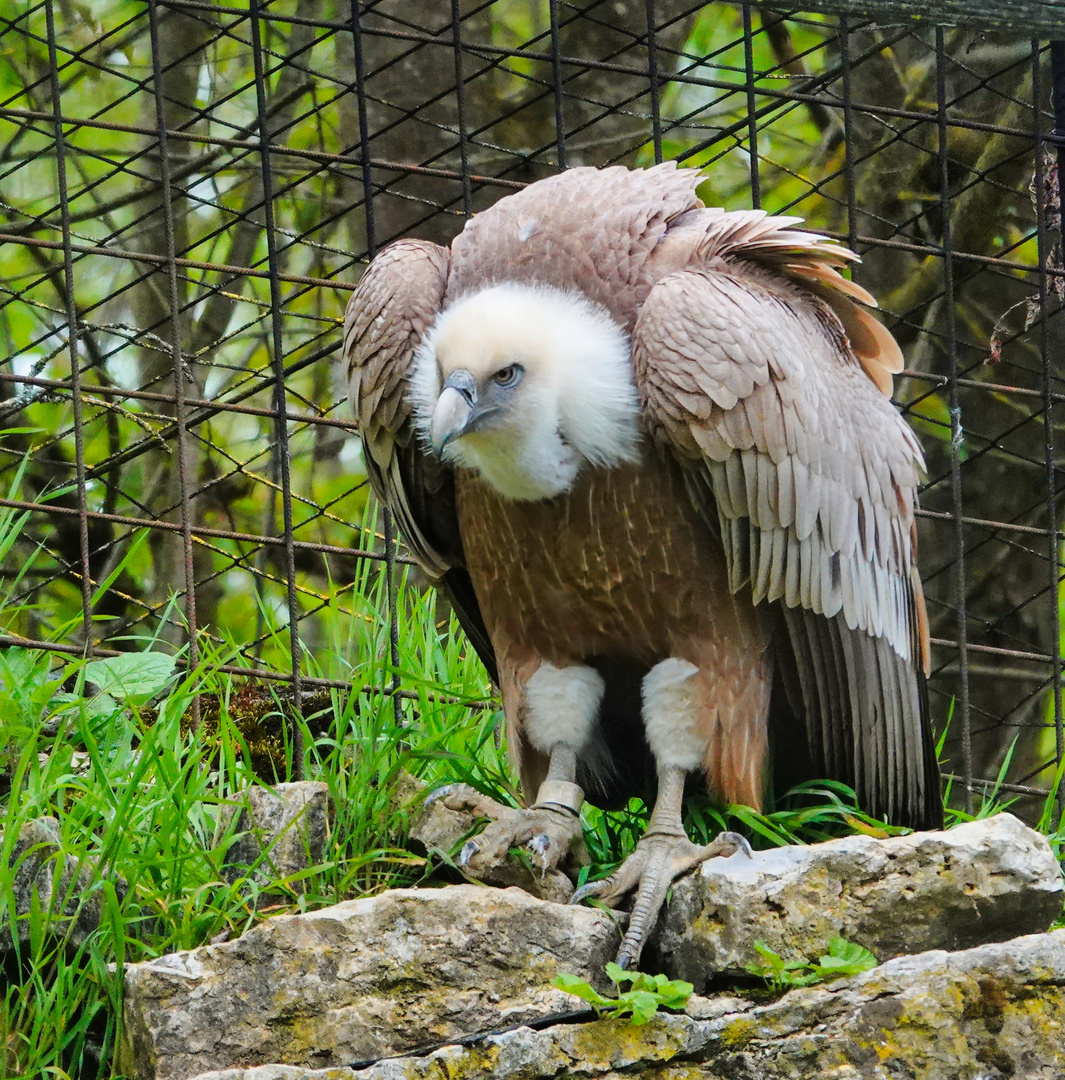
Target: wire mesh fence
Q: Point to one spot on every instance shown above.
(189, 190)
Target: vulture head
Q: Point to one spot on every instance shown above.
(526, 385)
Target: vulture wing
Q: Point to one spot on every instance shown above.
(394, 305)
(768, 384)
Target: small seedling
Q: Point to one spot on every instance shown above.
(842, 959)
(647, 995)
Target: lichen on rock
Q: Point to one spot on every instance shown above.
(986, 1013)
(359, 981)
(983, 881)
(363, 990)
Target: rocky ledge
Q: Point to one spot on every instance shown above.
(992, 1012)
(455, 982)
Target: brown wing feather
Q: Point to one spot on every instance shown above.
(751, 380)
(395, 303)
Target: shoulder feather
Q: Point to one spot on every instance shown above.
(810, 260)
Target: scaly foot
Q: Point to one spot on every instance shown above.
(550, 830)
(661, 857)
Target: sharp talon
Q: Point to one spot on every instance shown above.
(739, 841)
(539, 844)
(469, 849)
(440, 793)
(591, 888)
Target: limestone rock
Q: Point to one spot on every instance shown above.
(73, 906)
(437, 826)
(991, 1012)
(988, 1013)
(360, 980)
(984, 881)
(281, 830)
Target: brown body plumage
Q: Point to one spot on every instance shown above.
(585, 563)
(730, 522)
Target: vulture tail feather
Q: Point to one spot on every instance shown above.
(864, 708)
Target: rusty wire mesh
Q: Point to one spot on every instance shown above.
(189, 190)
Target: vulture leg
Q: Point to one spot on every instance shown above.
(560, 708)
(681, 717)
(664, 854)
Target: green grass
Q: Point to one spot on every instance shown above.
(140, 798)
(105, 747)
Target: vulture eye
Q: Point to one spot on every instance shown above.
(509, 376)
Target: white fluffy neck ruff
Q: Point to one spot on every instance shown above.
(576, 404)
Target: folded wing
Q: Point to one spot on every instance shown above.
(394, 305)
(767, 382)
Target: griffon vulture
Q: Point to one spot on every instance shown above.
(646, 449)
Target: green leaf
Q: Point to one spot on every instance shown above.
(843, 958)
(649, 993)
(774, 962)
(847, 958)
(22, 668)
(136, 677)
(644, 1005)
(675, 993)
(101, 707)
(808, 979)
(580, 988)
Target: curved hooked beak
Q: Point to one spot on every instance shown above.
(457, 410)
